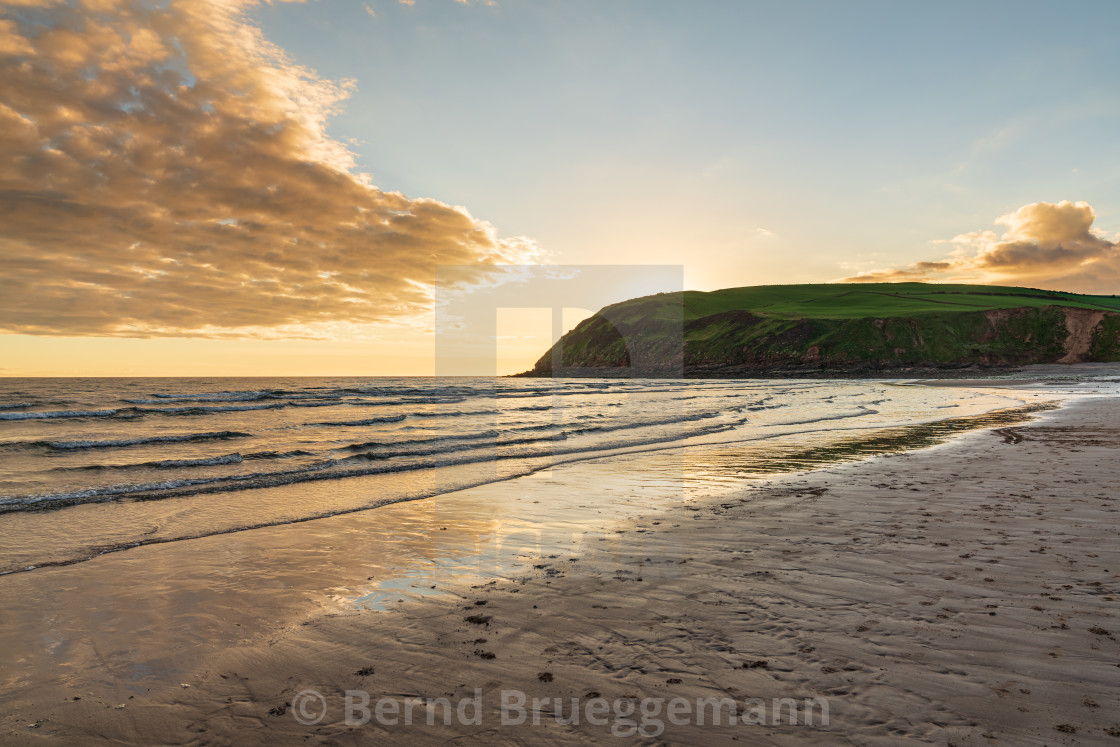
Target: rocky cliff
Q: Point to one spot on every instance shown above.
(683, 334)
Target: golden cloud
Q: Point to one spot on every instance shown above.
(166, 170)
(1046, 245)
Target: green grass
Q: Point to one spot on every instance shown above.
(856, 301)
(875, 325)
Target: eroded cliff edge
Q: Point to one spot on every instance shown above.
(666, 335)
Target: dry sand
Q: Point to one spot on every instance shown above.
(965, 594)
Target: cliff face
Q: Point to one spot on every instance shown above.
(744, 343)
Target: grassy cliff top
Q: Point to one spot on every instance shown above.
(852, 301)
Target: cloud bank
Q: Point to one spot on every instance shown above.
(1046, 245)
(166, 171)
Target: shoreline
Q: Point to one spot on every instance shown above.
(819, 584)
(353, 494)
(948, 374)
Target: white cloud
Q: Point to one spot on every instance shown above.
(1045, 245)
(167, 170)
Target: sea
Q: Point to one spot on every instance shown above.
(152, 529)
(105, 465)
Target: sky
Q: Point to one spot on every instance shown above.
(233, 187)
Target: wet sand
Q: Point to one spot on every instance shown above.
(960, 594)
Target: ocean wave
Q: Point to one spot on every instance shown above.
(8, 503)
(203, 462)
(452, 448)
(494, 440)
(433, 400)
(186, 437)
(335, 403)
(427, 395)
(564, 406)
(367, 421)
(150, 401)
(203, 410)
(251, 396)
(596, 391)
(549, 426)
(133, 412)
(842, 416)
(646, 423)
(375, 498)
(15, 406)
(313, 472)
(529, 428)
(211, 397)
(455, 414)
(415, 441)
(163, 464)
(52, 414)
(278, 454)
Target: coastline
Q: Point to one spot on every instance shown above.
(973, 613)
(947, 372)
(939, 375)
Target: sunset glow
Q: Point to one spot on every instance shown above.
(284, 179)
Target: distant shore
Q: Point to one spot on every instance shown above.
(775, 373)
(958, 594)
(943, 372)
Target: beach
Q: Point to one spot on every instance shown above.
(479, 373)
(965, 593)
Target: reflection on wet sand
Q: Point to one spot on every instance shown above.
(139, 621)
